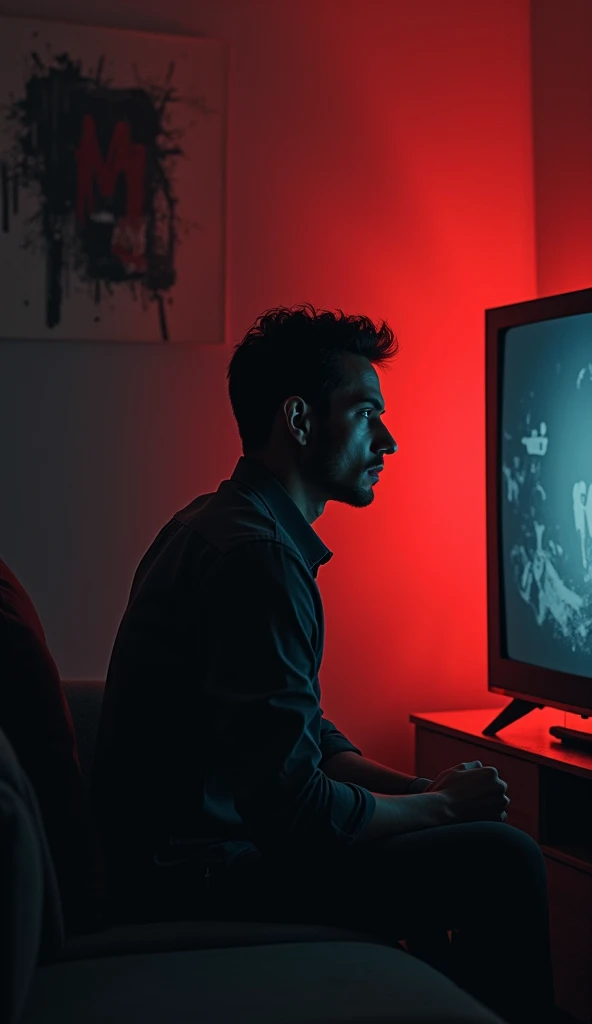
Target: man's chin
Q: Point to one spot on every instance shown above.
(357, 497)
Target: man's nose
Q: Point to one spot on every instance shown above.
(390, 446)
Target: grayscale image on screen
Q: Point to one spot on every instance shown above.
(545, 481)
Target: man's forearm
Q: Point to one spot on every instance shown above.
(397, 815)
(350, 767)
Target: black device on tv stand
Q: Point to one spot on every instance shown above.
(572, 737)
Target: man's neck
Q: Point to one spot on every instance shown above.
(291, 481)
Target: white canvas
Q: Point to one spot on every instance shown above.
(112, 184)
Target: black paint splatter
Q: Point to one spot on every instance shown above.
(99, 159)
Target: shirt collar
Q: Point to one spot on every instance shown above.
(284, 510)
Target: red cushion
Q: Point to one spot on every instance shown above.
(36, 719)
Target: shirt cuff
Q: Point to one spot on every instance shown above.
(418, 785)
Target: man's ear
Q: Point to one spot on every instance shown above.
(298, 418)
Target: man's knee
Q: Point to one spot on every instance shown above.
(512, 852)
(513, 839)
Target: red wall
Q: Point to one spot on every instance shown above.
(380, 160)
(562, 119)
(402, 185)
(432, 222)
(562, 131)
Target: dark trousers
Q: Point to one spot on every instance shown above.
(484, 882)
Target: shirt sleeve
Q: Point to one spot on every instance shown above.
(262, 635)
(333, 741)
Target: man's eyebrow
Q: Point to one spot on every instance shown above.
(368, 400)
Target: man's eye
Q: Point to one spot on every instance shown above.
(366, 410)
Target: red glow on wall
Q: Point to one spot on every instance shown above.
(392, 194)
(562, 105)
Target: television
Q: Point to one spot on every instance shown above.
(539, 506)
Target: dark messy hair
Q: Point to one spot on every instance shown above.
(296, 351)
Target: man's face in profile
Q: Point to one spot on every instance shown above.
(350, 440)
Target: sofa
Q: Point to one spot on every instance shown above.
(53, 970)
(205, 971)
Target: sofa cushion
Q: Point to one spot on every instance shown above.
(302, 983)
(21, 902)
(17, 883)
(162, 936)
(31, 924)
(37, 722)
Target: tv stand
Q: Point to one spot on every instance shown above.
(550, 791)
(515, 710)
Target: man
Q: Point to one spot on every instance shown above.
(220, 787)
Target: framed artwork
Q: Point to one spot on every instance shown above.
(112, 184)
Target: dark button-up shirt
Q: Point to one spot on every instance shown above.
(212, 739)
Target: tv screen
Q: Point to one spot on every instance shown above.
(539, 484)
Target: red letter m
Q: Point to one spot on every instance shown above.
(124, 157)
